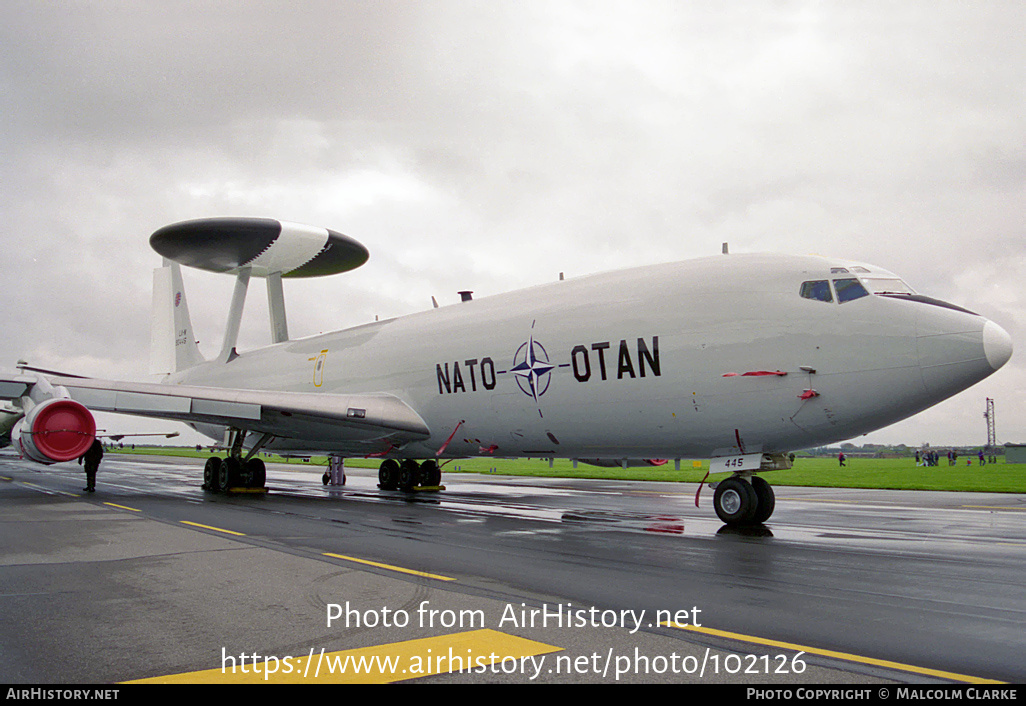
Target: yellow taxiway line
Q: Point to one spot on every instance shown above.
(215, 529)
(836, 655)
(390, 567)
(123, 507)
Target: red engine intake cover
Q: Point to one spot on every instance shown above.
(61, 429)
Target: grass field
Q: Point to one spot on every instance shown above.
(897, 474)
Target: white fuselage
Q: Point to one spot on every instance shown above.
(641, 364)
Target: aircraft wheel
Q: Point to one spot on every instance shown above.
(228, 475)
(735, 501)
(765, 498)
(257, 473)
(430, 473)
(388, 475)
(211, 471)
(408, 472)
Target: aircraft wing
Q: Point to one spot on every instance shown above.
(14, 386)
(373, 419)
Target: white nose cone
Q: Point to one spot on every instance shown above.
(997, 344)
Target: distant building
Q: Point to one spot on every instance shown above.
(1015, 453)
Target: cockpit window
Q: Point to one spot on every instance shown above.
(818, 290)
(838, 271)
(886, 285)
(849, 289)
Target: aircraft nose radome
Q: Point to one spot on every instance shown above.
(958, 349)
(997, 345)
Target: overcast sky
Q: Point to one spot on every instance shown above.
(492, 145)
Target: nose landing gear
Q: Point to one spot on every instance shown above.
(744, 501)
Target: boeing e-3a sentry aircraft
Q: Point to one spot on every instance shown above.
(737, 358)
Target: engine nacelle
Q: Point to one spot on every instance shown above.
(56, 430)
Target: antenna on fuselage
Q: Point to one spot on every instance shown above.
(725, 252)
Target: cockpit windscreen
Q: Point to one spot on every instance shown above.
(886, 285)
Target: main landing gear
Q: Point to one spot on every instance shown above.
(235, 473)
(407, 475)
(223, 474)
(741, 500)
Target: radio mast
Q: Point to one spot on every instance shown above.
(991, 448)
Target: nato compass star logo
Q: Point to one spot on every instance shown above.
(532, 369)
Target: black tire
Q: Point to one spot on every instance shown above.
(735, 501)
(222, 477)
(257, 473)
(765, 498)
(228, 477)
(430, 473)
(326, 478)
(211, 471)
(409, 470)
(388, 475)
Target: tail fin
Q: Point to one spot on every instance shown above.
(172, 341)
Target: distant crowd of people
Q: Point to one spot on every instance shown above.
(932, 458)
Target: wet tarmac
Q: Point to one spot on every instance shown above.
(150, 577)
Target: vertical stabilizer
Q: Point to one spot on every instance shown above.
(172, 340)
